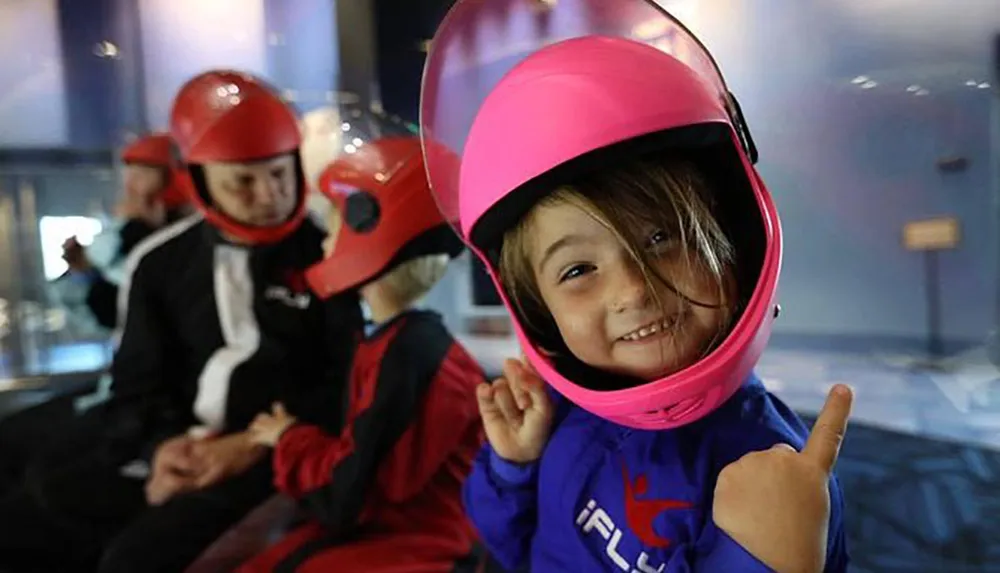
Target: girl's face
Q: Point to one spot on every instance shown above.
(602, 305)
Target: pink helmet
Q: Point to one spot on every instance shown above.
(580, 96)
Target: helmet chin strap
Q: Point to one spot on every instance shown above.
(247, 235)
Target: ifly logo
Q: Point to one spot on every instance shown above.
(640, 515)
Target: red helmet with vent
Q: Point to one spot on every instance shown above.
(387, 214)
(233, 117)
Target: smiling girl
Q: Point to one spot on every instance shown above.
(609, 188)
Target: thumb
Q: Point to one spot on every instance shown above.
(823, 446)
(278, 409)
(781, 446)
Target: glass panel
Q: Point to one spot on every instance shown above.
(51, 331)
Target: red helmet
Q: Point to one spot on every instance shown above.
(157, 150)
(233, 117)
(388, 215)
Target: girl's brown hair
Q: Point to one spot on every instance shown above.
(669, 195)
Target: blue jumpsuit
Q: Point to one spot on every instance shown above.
(604, 497)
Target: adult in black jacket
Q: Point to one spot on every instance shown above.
(156, 194)
(218, 323)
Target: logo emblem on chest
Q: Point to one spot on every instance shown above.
(294, 292)
(640, 513)
(287, 297)
(639, 517)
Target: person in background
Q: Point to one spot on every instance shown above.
(217, 324)
(156, 193)
(384, 492)
(638, 252)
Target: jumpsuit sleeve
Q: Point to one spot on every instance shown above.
(723, 554)
(133, 232)
(102, 300)
(305, 456)
(501, 500)
(334, 476)
(145, 409)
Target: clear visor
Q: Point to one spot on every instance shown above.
(481, 40)
(344, 127)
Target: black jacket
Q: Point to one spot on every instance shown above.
(102, 297)
(213, 333)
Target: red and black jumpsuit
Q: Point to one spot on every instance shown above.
(386, 492)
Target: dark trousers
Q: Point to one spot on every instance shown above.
(43, 436)
(85, 516)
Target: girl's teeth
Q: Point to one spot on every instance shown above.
(648, 330)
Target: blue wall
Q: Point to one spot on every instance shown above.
(302, 53)
(32, 102)
(850, 166)
(60, 94)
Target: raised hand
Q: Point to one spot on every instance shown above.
(516, 413)
(776, 503)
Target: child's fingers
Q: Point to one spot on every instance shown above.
(488, 408)
(528, 366)
(522, 372)
(504, 399)
(484, 395)
(521, 398)
(261, 421)
(259, 427)
(531, 390)
(278, 409)
(513, 372)
(517, 375)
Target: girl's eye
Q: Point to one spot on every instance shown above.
(656, 239)
(575, 271)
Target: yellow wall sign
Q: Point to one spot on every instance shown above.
(937, 234)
